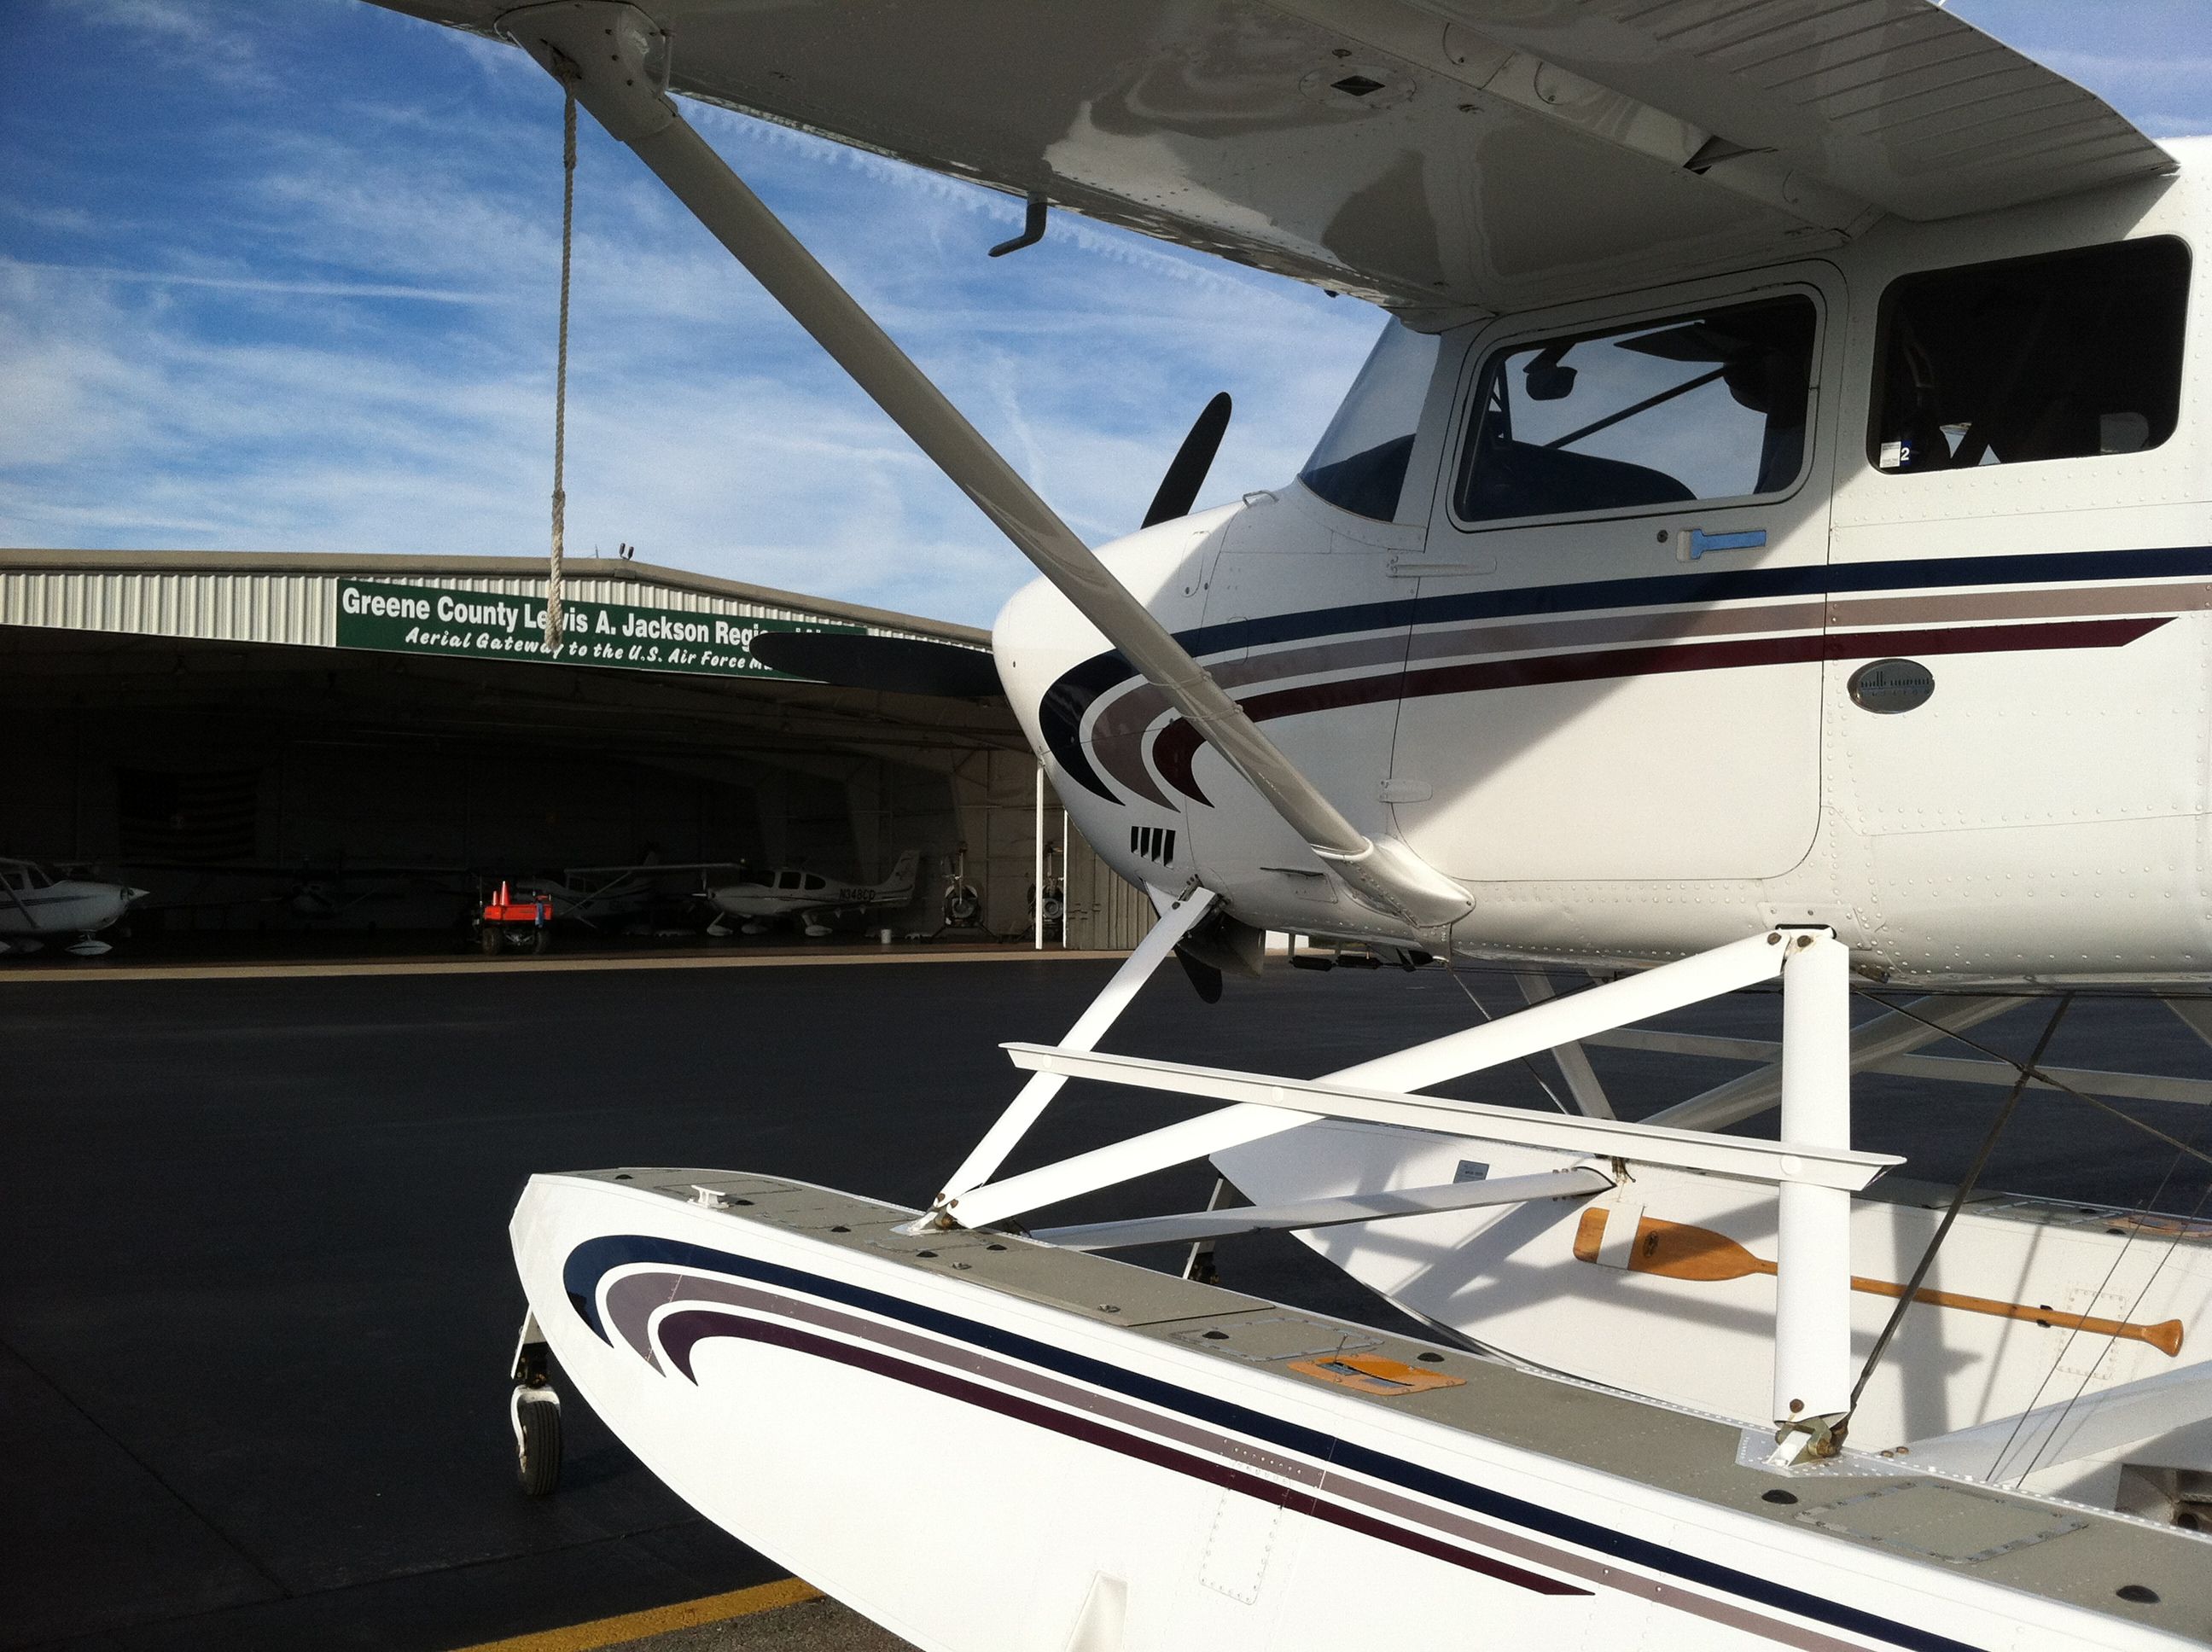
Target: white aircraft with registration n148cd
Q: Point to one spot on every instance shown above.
(1771, 542)
(807, 898)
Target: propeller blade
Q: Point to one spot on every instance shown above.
(1187, 472)
(855, 660)
(1203, 975)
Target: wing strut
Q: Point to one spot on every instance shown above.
(615, 60)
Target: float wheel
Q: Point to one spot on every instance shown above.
(537, 1414)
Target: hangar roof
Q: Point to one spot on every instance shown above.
(292, 598)
(240, 631)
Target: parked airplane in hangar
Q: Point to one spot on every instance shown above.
(1746, 357)
(808, 897)
(37, 907)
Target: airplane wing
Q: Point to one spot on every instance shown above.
(1457, 153)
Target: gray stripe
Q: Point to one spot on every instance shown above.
(1131, 713)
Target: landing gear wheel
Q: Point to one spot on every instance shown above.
(536, 1416)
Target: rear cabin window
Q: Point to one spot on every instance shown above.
(2066, 356)
(1360, 464)
(1711, 405)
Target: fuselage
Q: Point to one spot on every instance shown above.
(1877, 599)
(32, 902)
(773, 901)
(789, 890)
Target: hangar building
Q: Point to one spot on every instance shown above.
(269, 741)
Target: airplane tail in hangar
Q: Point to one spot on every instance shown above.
(899, 886)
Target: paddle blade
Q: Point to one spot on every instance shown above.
(855, 660)
(1673, 1250)
(1185, 475)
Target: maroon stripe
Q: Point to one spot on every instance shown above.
(682, 1330)
(1176, 745)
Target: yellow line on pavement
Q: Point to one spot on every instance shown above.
(659, 1620)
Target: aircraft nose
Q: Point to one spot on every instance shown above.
(1037, 638)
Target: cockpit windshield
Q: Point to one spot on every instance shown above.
(1708, 405)
(1360, 464)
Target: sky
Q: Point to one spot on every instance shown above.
(282, 275)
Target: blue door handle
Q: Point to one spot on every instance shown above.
(1745, 539)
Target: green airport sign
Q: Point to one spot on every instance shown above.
(421, 619)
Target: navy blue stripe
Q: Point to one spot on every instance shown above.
(1059, 716)
(1708, 585)
(1067, 702)
(593, 1259)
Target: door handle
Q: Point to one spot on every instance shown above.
(1696, 542)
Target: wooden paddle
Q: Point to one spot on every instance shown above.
(1675, 1250)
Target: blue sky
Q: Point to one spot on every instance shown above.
(282, 276)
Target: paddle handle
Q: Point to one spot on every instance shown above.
(2165, 1336)
(1705, 1257)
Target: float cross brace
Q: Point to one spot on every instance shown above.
(1812, 1165)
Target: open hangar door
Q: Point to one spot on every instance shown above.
(193, 724)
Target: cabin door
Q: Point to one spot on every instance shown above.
(1614, 666)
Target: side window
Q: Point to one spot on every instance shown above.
(2065, 357)
(815, 881)
(1360, 464)
(1711, 405)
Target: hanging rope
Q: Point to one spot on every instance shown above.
(560, 378)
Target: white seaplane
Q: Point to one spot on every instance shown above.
(1772, 540)
(807, 898)
(37, 907)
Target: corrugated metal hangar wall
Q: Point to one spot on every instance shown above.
(272, 741)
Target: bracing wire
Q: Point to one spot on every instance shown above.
(1959, 1198)
(2058, 1427)
(2036, 1447)
(1526, 1061)
(2035, 1074)
(560, 378)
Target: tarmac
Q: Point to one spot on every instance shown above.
(256, 1307)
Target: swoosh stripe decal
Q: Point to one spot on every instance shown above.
(682, 1330)
(594, 1258)
(1175, 748)
(632, 1299)
(1129, 715)
(1069, 700)
(1705, 588)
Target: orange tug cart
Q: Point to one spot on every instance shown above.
(525, 926)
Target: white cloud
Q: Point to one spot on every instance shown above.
(221, 42)
(348, 346)
(306, 289)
